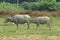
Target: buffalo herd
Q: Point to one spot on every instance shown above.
(22, 19)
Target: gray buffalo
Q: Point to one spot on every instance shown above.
(19, 19)
(41, 20)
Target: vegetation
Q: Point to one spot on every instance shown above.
(8, 6)
(51, 5)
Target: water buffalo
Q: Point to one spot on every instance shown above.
(41, 20)
(19, 19)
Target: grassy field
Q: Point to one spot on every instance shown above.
(8, 31)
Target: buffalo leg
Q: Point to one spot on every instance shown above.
(28, 25)
(17, 26)
(37, 25)
(48, 25)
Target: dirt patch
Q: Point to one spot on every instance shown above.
(54, 37)
(29, 37)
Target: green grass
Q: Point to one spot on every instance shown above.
(9, 6)
(9, 29)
